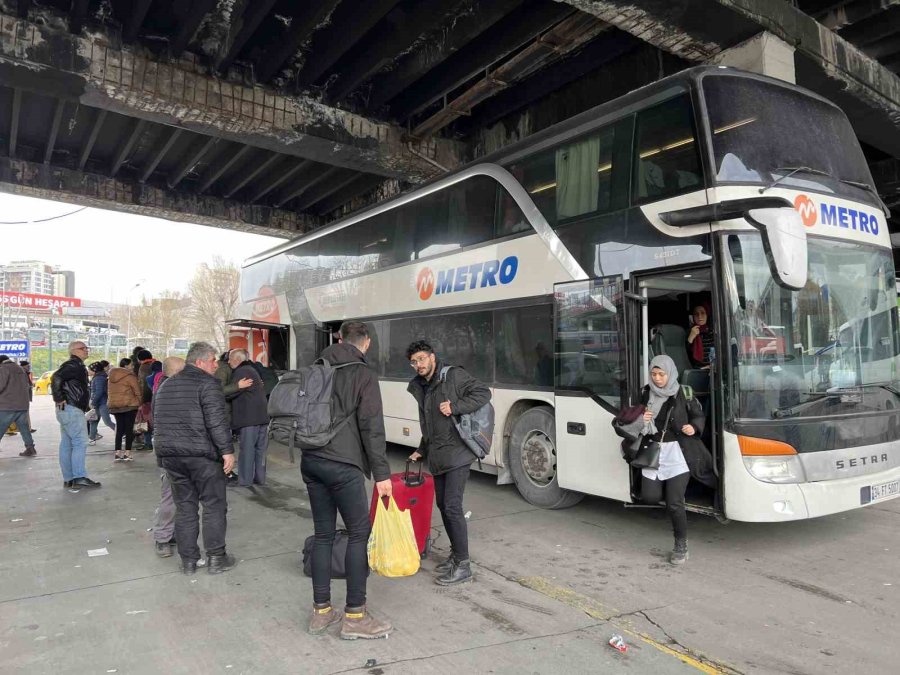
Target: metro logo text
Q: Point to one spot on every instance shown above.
(13, 347)
(466, 277)
(835, 216)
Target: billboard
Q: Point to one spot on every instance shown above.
(33, 301)
(15, 349)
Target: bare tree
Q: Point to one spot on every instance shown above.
(214, 292)
(155, 321)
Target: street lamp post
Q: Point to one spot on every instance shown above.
(127, 302)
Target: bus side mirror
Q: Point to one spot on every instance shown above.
(784, 241)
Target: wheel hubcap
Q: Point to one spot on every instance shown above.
(539, 458)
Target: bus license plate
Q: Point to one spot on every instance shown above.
(875, 493)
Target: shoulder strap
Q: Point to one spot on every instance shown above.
(349, 363)
(688, 392)
(666, 425)
(444, 371)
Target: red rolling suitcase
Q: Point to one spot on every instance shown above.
(413, 492)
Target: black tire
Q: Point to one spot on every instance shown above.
(533, 440)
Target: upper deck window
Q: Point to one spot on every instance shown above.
(572, 180)
(666, 159)
(763, 132)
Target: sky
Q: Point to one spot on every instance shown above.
(110, 252)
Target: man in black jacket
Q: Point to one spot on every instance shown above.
(72, 395)
(335, 480)
(449, 459)
(193, 442)
(250, 419)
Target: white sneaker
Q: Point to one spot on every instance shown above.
(94, 442)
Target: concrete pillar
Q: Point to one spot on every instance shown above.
(764, 53)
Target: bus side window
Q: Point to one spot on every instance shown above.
(666, 161)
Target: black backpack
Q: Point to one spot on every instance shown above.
(301, 409)
(476, 429)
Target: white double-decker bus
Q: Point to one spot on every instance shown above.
(555, 269)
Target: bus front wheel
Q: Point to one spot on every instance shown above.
(532, 460)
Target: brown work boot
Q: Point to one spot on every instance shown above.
(358, 623)
(29, 452)
(323, 616)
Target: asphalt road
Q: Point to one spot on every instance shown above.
(551, 588)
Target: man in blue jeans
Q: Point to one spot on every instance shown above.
(335, 480)
(15, 397)
(69, 386)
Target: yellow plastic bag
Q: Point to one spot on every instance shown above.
(392, 547)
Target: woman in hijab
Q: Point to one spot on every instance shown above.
(676, 422)
(701, 338)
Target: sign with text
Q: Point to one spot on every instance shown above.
(35, 301)
(15, 349)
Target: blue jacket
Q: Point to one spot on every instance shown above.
(99, 389)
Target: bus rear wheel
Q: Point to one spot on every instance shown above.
(532, 460)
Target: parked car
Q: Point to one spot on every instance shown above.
(42, 384)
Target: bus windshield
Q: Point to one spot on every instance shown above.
(794, 139)
(830, 348)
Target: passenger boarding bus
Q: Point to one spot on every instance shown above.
(556, 268)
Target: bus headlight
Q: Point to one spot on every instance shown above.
(775, 468)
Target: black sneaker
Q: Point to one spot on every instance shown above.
(216, 564)
(164, 549)
(188, 566)
(460, 572)
(85, 482)
(679, 554)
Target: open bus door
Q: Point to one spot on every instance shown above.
(597, 327)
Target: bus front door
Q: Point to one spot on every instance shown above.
(596, 324)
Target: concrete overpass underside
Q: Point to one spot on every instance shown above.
(277, 116)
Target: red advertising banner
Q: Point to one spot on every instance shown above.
(34, 301)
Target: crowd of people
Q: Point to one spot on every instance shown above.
(191, 411)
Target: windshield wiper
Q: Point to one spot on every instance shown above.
(791, 171)
(792, 410)
(887, 386)
(868, 188)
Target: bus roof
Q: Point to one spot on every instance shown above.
(574, 126)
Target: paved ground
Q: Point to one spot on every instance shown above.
(813, 597)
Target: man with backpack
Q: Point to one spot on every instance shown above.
(442, 394)
(335, 472)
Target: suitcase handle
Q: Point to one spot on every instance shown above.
(411, 480)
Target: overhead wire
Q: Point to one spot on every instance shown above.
(43, 220)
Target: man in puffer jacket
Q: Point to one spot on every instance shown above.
(69, 386)
(193, 443)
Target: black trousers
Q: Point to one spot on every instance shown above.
(337, 487)
(448, 493)
(652, 493)
(195, 481)
(125, 428)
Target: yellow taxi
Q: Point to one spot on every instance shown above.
(42, 384)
